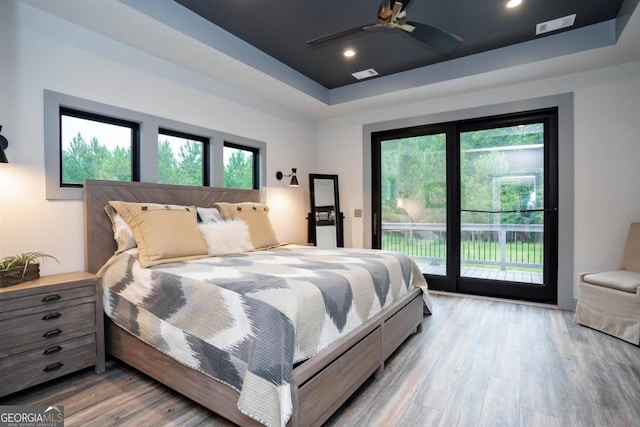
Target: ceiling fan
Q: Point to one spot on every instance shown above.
(395, 18)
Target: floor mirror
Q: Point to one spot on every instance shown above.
(325, 220)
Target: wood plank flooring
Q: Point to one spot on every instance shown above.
(478, 362)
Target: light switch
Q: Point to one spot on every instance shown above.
(357, 213)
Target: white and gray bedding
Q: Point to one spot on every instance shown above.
(246, 319)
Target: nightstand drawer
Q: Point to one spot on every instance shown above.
(45, 298)
(47, 354)
(26, 375)
(46, 325)
(66, 335)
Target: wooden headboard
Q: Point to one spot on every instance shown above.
(99, 244)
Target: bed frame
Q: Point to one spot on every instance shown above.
(319, 386)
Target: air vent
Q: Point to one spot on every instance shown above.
(365, 74)
(555, 24)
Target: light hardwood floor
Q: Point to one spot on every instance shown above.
(477, 362)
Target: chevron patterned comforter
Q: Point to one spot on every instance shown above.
(246, 319)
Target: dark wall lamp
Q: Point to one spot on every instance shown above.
(294, 179)
(3, 146)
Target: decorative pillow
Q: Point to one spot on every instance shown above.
(256, 215)
(163, 233)
(226, 237)
(209, 215)
(122, 233)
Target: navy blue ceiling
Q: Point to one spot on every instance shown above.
(281, 28)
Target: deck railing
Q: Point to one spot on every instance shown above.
(491, 245)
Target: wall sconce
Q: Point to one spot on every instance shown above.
(294, 179)
(3, 146)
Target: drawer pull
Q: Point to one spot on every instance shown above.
(51, 298)
(52, 316)
(52, 333)
(52, 350)
(53, 367)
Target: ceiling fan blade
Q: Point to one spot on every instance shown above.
(338, 35)
(384, 11)
(434, 37)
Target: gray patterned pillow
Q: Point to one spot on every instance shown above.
(122, 233)
(209, 215)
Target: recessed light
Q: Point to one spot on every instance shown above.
(349, 53)
(513, 3)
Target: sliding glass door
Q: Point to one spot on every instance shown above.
(474, 203)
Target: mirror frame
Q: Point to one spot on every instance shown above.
(338, 220)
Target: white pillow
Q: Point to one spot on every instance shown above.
(209, 215)
(226, 237)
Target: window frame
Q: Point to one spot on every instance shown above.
(135, 139)
(564, 102)
(150, 126)
(206, 152)
(255, 153)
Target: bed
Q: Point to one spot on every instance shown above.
(315, 386)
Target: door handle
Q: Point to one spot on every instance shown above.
(375, 223)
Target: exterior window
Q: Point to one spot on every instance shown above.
(182, 158)
(240, 166)
(96, 147)
(85, 139)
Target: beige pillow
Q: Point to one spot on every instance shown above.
(256, 215)
(163, 233)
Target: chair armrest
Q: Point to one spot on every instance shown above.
(581, 275)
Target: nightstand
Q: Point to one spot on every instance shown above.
(50, 327)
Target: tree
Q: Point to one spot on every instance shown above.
(167, 164)
(190, 168)
(238, 171)
(187, 169)
(82, 160)
(413, 175)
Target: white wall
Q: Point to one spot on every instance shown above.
(40, 51)
(606, 155)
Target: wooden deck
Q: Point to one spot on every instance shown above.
(485, 273)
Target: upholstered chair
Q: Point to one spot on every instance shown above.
(610, 301)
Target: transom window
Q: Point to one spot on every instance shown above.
(240, 166)
(182, 158)
(85, 139)
(93, 146)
